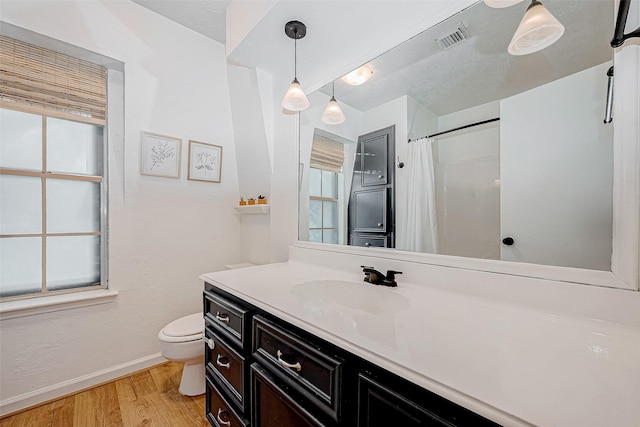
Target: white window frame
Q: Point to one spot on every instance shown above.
(79, 297)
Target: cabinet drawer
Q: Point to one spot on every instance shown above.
(304, 367)
(219, 412)
(273, 406)
(229, 318)
(228, 367)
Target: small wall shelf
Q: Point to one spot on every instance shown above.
(252, 209)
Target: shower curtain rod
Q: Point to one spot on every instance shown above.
(458, 128)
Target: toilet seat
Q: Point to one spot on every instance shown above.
(184, 329)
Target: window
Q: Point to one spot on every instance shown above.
(323, 206)
(52, 172)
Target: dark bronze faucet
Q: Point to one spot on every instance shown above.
(372, 275)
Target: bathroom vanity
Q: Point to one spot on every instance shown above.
(308, 343)
(263, 371)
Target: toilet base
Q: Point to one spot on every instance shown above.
(193, 382)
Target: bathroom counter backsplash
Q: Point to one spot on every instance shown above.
(514, 364)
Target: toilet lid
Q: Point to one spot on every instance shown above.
(189, 325)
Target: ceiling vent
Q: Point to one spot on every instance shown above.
(452, 37)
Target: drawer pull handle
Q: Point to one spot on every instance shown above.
(211, 343)
(295, 366)
(220, 421)
(222, 317)
(221, 364)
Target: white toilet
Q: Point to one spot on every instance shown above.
(182, 341)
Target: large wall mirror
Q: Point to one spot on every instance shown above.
(455, 147)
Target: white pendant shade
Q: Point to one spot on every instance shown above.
(295, 99)
(501, 3)
(333, 115)
(537, 30)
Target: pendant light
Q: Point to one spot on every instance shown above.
(333, 115)
(295, 99)
(537, 30)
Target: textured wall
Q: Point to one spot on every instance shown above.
(163, 232)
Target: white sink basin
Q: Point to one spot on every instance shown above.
(358, 297)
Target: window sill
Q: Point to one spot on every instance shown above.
(33, 306)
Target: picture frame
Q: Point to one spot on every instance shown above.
(160, 155)
(205, 162)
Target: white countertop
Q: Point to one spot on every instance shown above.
(514, 364)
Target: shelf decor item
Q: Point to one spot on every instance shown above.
(160, 155)
(262, 200)
(242, 202)
(252, 201)
(205, 162)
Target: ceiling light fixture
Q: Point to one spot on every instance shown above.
(333, 115)
(498, 4)
(537, 30)
(295, 99)
(358, 76)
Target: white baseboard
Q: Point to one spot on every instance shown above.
(51, 392)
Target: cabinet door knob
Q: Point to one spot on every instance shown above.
(367, 244)
(295, 366)
(380, 176)
(379, 224)
(220, 421)
(211, 343)
(222, 317)
(222, 364)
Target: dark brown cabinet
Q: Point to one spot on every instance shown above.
(264, 372)
(274, 406)
(371, 209)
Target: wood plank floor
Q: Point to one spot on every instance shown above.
(146, 398)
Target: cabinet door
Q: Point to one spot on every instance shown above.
(373, 160)
(380, 406)
(370, 211)
(275, 407)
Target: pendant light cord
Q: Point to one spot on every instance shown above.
(295, 54)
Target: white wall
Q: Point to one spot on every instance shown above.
(570, 155)
(163, 232)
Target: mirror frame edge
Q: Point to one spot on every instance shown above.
(625, 258)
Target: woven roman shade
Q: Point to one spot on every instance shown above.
(43, 81)
(326, 154)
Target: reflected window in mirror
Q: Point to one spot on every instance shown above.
(323, 206)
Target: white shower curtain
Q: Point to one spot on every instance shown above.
(421, 230)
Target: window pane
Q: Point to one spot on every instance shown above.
(72, 206)
(74, 147)
(20, 140)
(330, 236)
(20, 204)
(329, 184)
(330, 214)
(315, 236)
(315, 183)
(315, 214)
(72, 262)
(20, 266)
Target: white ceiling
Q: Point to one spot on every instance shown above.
(479, 70)
(206, 17)
(475, 72)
